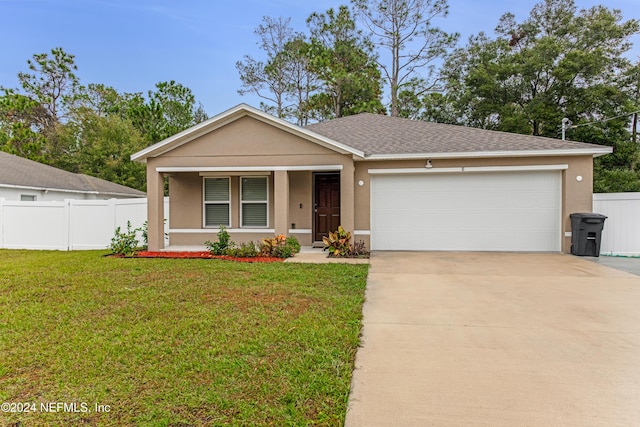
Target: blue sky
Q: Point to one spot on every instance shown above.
(133, 44)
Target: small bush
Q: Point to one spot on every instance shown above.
(279, 246)
(285, 251)
(245, 250)
(124, 243)
(293, 243)
(359, 250)
(224, 242)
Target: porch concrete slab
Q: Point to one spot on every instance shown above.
(319, 257)
(497, 339)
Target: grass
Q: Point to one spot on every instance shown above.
(176, 342)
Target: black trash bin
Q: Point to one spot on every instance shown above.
(586, 233)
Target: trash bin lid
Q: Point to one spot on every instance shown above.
(588, 215)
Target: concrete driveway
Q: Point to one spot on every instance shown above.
(456, 339)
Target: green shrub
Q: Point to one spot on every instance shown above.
(224, 242)
(245, 250)
(294, 244)
(285, 251)
(279, 246)
(124, 243)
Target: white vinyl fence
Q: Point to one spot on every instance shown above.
(69, 224)
(90, 224)
(621, 234)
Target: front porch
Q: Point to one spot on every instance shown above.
(251, 202)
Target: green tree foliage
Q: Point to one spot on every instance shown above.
(51, 83)
(345, 65)
(30, 116)
(90, 129)
(21, 129)
(170, 109)
(101, 146)
(410, 42)
(559, 62)
(329, 73)
(270, 80)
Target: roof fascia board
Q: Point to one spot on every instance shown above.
(231, 115)
(475, 154)
(202, 169)
(461, 169)
(62, 190)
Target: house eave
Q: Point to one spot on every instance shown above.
(66, 190)
(595, 152)
(231, 115)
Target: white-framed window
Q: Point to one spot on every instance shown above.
(217, 202)
(254, 201)
(27, 198)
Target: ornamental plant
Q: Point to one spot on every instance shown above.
(124, 243)
(279, 246)
(337, 243)
(223, 244)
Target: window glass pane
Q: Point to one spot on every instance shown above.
(216, 189)
(216, 214)
(254, 189)
(254, 214)
(27, 198)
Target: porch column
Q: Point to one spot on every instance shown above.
(347, 197)
(155, 209)
(281, 202)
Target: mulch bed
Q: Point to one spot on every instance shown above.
(204, 255)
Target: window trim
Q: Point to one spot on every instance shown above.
(242, 202)
(32, 198)
(217, 202)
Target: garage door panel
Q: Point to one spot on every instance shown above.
(440, 240)
(513, 211)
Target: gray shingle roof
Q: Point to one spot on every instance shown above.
(15, 170)
(383, 135)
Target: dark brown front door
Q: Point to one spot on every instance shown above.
(327, 204)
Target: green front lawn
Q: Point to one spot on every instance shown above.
(161, 342)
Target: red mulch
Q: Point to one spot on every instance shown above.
(145, 254)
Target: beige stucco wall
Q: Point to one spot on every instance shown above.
(576, 196)
(248, 137)
(251, 142)
(301, 199)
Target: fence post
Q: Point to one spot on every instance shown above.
(67, 223)
(1, 223)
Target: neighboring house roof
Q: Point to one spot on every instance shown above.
(19, 172)
(377, 137)
(382, 137)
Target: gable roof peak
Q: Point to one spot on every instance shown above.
(231, 115)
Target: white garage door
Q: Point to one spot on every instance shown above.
(484, 211)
